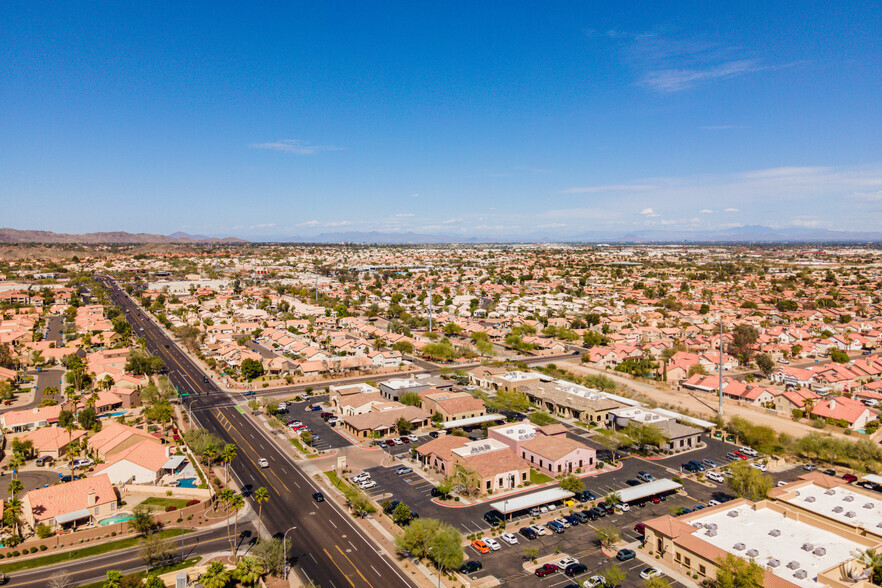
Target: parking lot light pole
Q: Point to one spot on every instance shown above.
(285, 552)
(437, 565)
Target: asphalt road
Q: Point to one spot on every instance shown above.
(53, 329)
(89, 570)
(327, 548)
(44, 379)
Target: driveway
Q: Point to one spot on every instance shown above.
(31, 479)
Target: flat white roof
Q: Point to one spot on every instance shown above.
(473, 421)
(482, 446)
(648, 489)
(842, 504)
(682, 417)
(530, 500)
(776, 542)
(872, 478)
(517, 431)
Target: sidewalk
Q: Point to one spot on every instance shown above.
(666, 567)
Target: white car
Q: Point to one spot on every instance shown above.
(283, 406)
(552, 507)
(748, 451)
(493, 544)
(622, 506)
(367, 484)
(650, 573)
(714, 476)
(567, 561)
(758, 466)
(566, 524)
(539, 530)
(543, 509)
(509, 538)
(398, 441)
(713, 502)
(413, 438)
(594, 582)
(361, 477)
(333, 421)
(262, 462)
(782, 483)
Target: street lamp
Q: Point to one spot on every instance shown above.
(285, 552)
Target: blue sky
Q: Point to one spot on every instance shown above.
(266, 120)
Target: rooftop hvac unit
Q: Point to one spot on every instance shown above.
(851, 514)
(774, 563)
(807, 546)
(848, 498)
(809, 498)
(820, 551)
(868, 505)
(800, 575)
(711, 532)
(732, 513)
(837, 509)
(697, 525)
(739, 547)
(794, 565)
(830, 492)
(775, 532)
(711, 526)
(752, 553)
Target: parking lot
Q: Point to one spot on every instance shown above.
(328, 436)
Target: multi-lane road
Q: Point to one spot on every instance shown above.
(328, 548)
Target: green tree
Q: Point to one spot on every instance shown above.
(871, 560)
(251, 369)
(401, 515)
(734, 572)
(571, 483)
(216, 576)
(235, 504)
(465, 480)
(154, 582)
(88, 418)
(260, 496)
(411, 399)
(765, 363)
(608, 535)
(403, 426)
(15, 486)
(425, 537)
(839, 356)
(306, 437)
(155, 550)
(656, 582)
(643, 434)
(509, 401)
(613, 576)
(403, 347)
(248, 570)
(748, 482)
(113, 579)
(228, 454)
(744, 338)
(271, 553)
(144, 522)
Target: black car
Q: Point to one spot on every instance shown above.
(470, 567)
(633, 482)
(575, 569)
(529, 533)
(433, 434)
(390, 507)
(435, 492)
(590, 514)
(585, 496)
(492, 517)
(599, 512)
(829, 472)
(607, 507)
(318, 496)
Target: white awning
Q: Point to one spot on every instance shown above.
(174, 462)
(530, 500)
(473, 421)
(76, 515)
(632, 493)
(873, 478)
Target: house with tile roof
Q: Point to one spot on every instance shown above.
(842, 408)
(142, 463)
(115, 437)
(71, 504)
(51, 441)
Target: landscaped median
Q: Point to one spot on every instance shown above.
(81, 552)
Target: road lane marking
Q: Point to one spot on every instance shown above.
(353, 565)
(351, 583)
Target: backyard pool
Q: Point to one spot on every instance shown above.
(120, 518)
(187, 483)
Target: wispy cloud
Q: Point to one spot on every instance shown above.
(404, 215)
(309, 223)
(720, 127)
(450, 221)
(730, 210)
(705, 211)
(607, 188)
(338, 223)
(648, 212)
(676, 80)
(295, 146)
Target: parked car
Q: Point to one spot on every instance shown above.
(713, 502)
(594, 582)
(581, 516)
(575, 569)
(563, 522)
(650, 573)
(810, 467)
(545, 570)
(538, 529)
(509, 538)
(715, 477)
(397, 440)
(599, 513)
(709, 463)
(83, 462)
(645, 477)
(382, 444)
(625, 554)
(849, 478)
(748, 451)
(403, 470)
(567, 561)
(470, 567)
(492, 517)
(640, 528)
(480, 546)
(535, 512)
(633, 482)
(44, 461)
(361, 477)
(528, 532)
(493, 544)
(434, 434)
(413, 438)
(698, 465)
(757, 465)
(555, 526)
(367, 484)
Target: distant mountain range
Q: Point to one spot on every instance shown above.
(744, 234)
(14, 236)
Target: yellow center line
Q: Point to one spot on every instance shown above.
(255, 453)
(351, 583)
(353, 565)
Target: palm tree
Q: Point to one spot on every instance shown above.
(466, 478)
(228, 454)
(261, 495)
(15, 486)
(15, 462)
(249, 570)
(216, 576)
(209, 454)
(872, 562)
(236, 503)
(12, 513)
(225, 496)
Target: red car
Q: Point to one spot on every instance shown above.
(849, 478)
(656, 499)
(546, 569)
(740, 455)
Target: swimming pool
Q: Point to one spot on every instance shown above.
(187, 483)
(120, 518)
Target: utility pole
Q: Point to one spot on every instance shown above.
(316, 283)
(720, 366)
(430, 311)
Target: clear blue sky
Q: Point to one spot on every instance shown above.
(295, 118)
